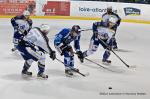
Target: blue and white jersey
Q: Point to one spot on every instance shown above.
(37, 38)
(21, 23)
(64, 37)
(106, 16)
(21, 27)
(103, 31)
(101, 24)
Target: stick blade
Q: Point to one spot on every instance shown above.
(132, 66)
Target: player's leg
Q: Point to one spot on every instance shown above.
(28, 59)
(40, 57)
(106, 56)
(41, 66)
(107, 51)
(30, 53)
(68, 62)
(114, 43)
(27, 65)
(92, 47)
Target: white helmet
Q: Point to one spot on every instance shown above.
(109, 7)
(26, 13)
(45, 28)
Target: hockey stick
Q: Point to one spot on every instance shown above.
(96, 63)
(84, 75)
(121, 59)
(85, 30)
(99, 65)
(116, 54)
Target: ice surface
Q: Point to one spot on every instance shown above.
(133, 38)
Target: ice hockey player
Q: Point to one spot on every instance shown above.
(21, 24)
(105, 18)
(62, 44)
(33, 47)
(102, 34)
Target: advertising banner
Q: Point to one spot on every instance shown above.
(61, 8)
(15, 7)
(124, 10)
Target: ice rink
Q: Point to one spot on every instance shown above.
(126, 83)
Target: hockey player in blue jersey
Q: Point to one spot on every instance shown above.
(105, 18)
(33, 47)
(102, 34)
(21, 24)
(62, 44)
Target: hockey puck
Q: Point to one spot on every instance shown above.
(109, 87)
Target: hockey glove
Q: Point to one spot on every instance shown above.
(53, 55)
(65, 41)
(109, 48)
(65, 48)
(80, 56)
(95, 34)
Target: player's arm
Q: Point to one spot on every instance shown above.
(104, 17)
(77, 43)
(61, 41)
(13, 20)
(119, 19)
(52, 53)
(77, 48)
(30, 23)
(94, 28)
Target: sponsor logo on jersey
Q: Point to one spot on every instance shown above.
(132, 11)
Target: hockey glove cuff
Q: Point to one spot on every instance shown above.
(80, 56)
(53, 55)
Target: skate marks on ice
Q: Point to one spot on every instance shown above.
(61, 73)
(117, 67)
(17, 77)
(122, 50)
(55, 72)
(12, 56)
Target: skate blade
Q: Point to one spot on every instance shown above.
(26, 76)
(133, 66)
(67, 75)
(105, 63)
(122, 50)
(41, 78)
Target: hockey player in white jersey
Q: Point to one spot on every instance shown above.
(21, 24)
(102, 34)
(33, 47)
(105, 18)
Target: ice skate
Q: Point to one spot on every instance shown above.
(68, 72)
(26, 73)
(43, 76)
(106, 62)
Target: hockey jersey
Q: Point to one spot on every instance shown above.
(102, 30)
(64, 37)
(37, 38)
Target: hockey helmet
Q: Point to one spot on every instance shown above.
(76, 28)
(109, 9)
(45, 28)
